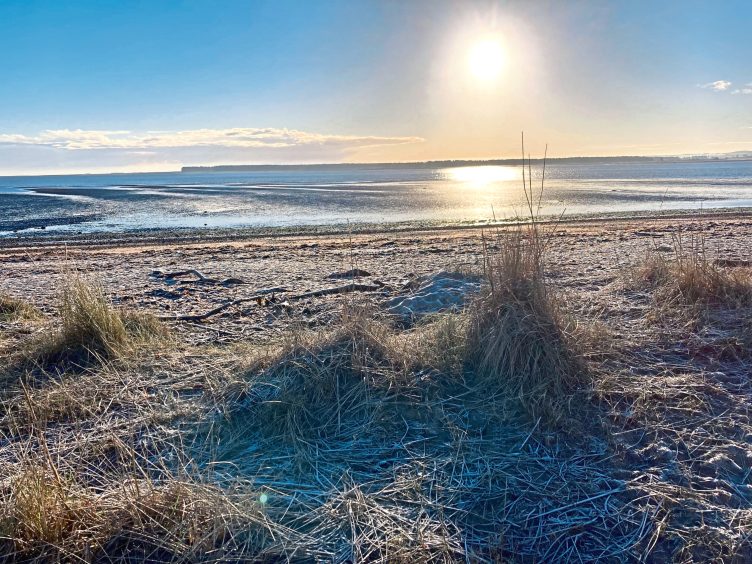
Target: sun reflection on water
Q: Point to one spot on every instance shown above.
(481, 176)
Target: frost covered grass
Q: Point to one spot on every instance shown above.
(362, 442)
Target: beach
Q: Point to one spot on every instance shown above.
(301, 263)
(659, 433)
(376, 282)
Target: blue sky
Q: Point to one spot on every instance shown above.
(118, 85)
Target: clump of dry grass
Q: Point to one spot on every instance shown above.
(710, 300)
(91, 470)
(440, 342)
(90, 328)
(699, 281)
(690, 277)
(652, 272)
(187, 520)
(16, 309)
(76, 397)
(321, 384)
(41, 508)
(521, 341)
(48, 516)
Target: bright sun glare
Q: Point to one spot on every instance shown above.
(479, 176)
(486, 59)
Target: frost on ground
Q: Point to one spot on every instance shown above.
(325, 429)
(433, 293)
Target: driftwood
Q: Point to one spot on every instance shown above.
(202, 316)
(200, 277)
(257, 297)
(338, 290)
(260, 298)
(732, 262)
(349, 274)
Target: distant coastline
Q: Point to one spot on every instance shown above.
(725, 157)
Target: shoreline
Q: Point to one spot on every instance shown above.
(150, 237)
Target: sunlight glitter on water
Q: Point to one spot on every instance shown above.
(481, 176)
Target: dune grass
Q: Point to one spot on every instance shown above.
(90, 329)
(711, 300)
(689, 276)
(360, 442)
(326, 384)
(16, 309)
(88, 470)
(47, 516)
(384, 444)
(521, 342)
(450, 440)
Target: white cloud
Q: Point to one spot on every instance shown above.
(718, 85)
(747, 89)
(248, 138)
(78, 150)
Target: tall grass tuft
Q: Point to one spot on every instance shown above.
(45, 509)
(698, 279)
(91, 328)
(521, 342)
(46, 516)
(89, 321)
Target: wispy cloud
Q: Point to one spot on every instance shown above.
(718, 85)
(250, 138)
(108, 150)
(747, 89)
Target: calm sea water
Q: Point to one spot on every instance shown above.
(289, 197)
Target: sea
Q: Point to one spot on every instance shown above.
(363, 194)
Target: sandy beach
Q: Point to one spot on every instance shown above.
(657, 438)
(587, 257)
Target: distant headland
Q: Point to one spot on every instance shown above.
(735, 156)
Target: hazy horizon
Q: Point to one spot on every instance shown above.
(510, 161)
(146, 87)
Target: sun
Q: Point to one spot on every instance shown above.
(486, 59)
